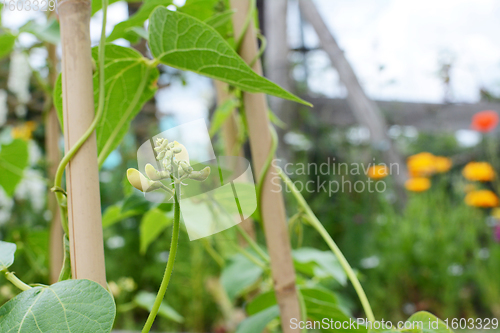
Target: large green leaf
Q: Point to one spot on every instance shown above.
(186, 43)
(130, 82)
(152, 225)
(7, 251)
(146, 300)
(258, 322)
(125, 29)
(81, 306)
(240, 274)
(7, 41)
(13, 160)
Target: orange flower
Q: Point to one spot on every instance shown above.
(478, 171)
(419, 184)
(421, 164)
(481, 198)
(377, 172)
(485, 121)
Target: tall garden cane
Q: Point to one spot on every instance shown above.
(272, 205)
(82, 178)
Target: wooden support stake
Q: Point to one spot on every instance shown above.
(272, 205)
(82, 176)
(364, 109)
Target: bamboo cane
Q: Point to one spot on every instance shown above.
(230, 136)
(272, 205)
(82, 178)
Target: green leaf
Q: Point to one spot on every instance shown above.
(146, 300)
(152, 225)
(261, 302)
(7, 251)
(70, 306)
(123, 29)
(130, 83)
(258, 322)
(186, 43)
(221, 114)
(13, 160)
(318, 263)
(240, 274)
(113, 214)
(428, 323)
(7, 41)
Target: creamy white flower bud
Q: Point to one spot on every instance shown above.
(140, 182)
(200, 175)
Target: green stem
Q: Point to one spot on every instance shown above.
(170, 262)
(246, 24)
(211, 251)
(316, 224)
(16, 281)
(252, 243)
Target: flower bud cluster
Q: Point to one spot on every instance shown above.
(174, 160)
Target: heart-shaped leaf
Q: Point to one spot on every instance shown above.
(81, 306)
(186, 43)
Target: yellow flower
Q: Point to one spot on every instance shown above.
(421, 164)
(24, 131)
(377, 172)
(418, 184)
(442, 164)
(481, 198)
(478, 171)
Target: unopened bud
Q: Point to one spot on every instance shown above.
(185, 166)
(160, 156)
(200, 175)
(154, 174)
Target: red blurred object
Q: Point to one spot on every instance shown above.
(485, 121)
